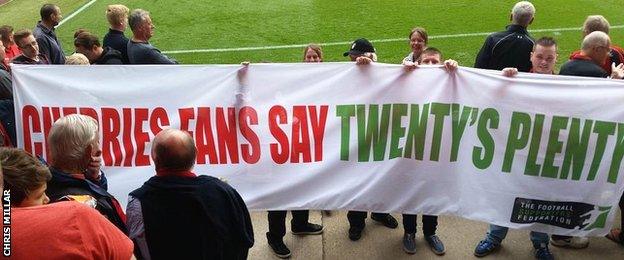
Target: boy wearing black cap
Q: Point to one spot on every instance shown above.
(363, 52)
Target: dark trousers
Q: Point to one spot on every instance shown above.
(356, 218)
(430, 224)
(277, 222)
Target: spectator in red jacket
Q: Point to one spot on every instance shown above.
(6, 37)
(65, 230)
(4, 61)
(595, 51)
(595, 23)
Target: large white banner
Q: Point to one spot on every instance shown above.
(538, 152)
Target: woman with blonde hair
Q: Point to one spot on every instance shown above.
(299, 223)
(77, 59)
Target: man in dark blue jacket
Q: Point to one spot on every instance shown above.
(179, 215)
(140, 51)
(49, 45)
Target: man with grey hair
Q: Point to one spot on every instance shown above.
(74, 150)
(140, 51)
(594, 51)
(512, 47)
(595, 23)
(205, 218)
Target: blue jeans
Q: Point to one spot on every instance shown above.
(497, 234)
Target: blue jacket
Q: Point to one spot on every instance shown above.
(49, 45)
(118, 41)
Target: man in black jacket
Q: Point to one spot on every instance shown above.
(89, 45)
(179, 215)
(594, 51)
(512, 47)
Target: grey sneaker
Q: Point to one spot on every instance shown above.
(436, 244)
(409, 243)
(571, 242)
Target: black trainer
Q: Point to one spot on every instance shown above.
(387, 220)
(279, 248)
(308, 229)
(355, 233)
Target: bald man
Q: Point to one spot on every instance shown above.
(594, 52)
(179, 215)
(599, 23)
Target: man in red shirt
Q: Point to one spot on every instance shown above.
(6, 37)
(599, 23)
(595, 51)
(66, 230)
(4, 62)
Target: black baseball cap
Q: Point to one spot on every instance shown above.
(359, 47)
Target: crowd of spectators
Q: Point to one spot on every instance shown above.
(62, 208)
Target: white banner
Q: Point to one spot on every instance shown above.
(538, 152)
